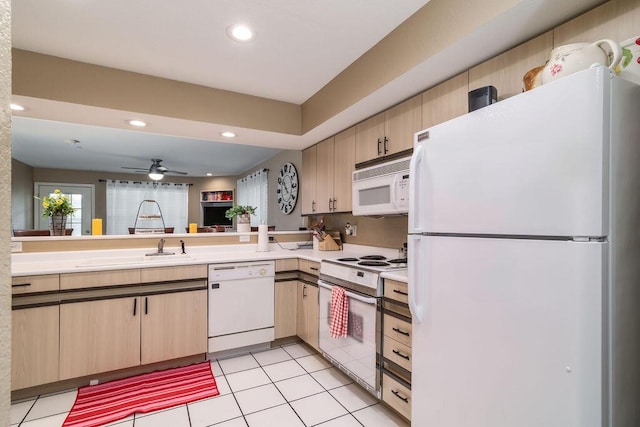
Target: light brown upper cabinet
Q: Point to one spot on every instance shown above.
(445, 101)
(308, 180)
(334, 164)
(389, 132)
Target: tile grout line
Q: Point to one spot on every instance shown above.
(232, 392)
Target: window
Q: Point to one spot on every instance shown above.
(124, 198)
(253, 190)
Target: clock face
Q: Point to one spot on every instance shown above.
(287, 192)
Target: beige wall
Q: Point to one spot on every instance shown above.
(5, 215)
(21, 195)
(281, 221)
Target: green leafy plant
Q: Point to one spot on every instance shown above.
(56, 204)
(239, 210)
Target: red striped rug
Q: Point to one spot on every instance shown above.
(104, 403)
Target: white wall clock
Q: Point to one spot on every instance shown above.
(287, 192)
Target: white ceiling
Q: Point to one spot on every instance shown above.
(300, 45)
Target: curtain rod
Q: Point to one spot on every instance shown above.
(145, 182)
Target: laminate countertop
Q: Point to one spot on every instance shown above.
(25, 264)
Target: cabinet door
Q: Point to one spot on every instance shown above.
(401, 123)
(308, 180)
(34, 346)
(173, 325)
(312, 313)
(344, 154)
(446, 101)
(324, 176)
(369, 138)
(99, 336)
(307, 324)
(286, 301)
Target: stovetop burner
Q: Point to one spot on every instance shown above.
(347, 259)
(373, 257)
(398, 261)
(374, 263)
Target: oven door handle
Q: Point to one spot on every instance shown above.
(365, 300)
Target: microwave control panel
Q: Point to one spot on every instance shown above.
(402, 191)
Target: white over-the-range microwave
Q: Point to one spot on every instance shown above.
(382, 189)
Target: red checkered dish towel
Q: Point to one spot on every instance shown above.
(339, 312)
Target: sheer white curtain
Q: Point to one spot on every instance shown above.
(253, 190)
(124, 198)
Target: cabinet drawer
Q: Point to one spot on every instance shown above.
(310, 267)
(29, 284)
(397, 329)
(396, 395)
(397, 291)
(95, 279)
(165, 274)
(289, 264)
(397, 352)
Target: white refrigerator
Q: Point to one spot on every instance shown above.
(524, 260)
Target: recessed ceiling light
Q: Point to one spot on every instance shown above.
(240, 33)
(209, 174)
(16, 107)
(228, 134)
(137, 123)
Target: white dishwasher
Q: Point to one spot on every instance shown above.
(240, 304)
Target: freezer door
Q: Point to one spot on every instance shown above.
(533, 164)
(511, 335)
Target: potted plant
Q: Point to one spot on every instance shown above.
(242, 215)
(57, 206)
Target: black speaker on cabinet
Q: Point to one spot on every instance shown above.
(482, 97)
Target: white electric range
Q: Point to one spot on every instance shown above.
(357, 354)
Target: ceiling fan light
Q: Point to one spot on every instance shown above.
(156, 176)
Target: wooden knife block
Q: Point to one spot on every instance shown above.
(331, 242)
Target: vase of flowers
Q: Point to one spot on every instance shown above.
(57, 207)
(243, 217)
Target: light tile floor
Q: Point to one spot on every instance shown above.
(287, 386)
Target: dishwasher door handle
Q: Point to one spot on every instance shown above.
(215, 286)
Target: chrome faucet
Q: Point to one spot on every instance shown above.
(161, 246)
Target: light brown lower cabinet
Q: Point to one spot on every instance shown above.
(110, 334)
(307, 323)
(173, 325)
(99, 336)
(286, 308)
(34, 346)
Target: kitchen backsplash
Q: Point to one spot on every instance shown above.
(386, 232)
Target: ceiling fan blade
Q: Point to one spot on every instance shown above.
(176, 172)
(138, 168)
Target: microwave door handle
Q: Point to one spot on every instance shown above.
(393, 193)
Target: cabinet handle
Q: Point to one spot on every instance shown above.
(379, 142)
(313, 206)
(146, 305)
(330, 207)
(334, 204)
(386, 150)
(400, 292)
(401, 332)
(396, 394)
(21, 285)
(304, 291)
(404, 356)
(313, 268)
(135, 306)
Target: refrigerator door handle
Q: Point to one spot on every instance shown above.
(414, 182)
(416, 287)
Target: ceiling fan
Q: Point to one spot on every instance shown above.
(156, 171)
